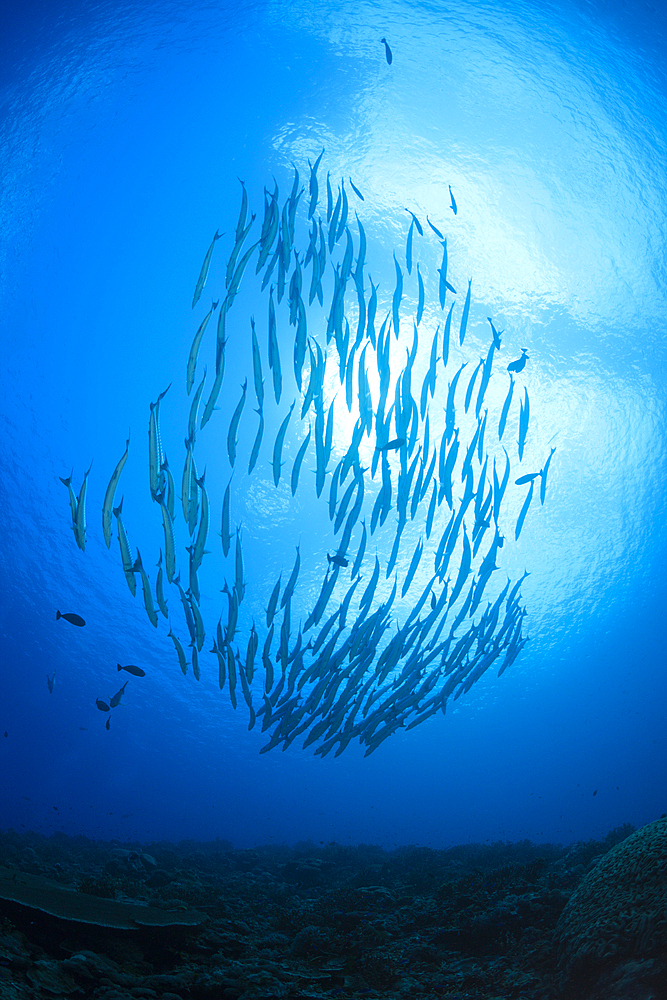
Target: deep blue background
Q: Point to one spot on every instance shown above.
(124, 129)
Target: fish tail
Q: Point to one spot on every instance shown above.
(58, 615)
(119, 666)
(66, 482)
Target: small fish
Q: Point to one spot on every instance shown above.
(524, 510)
(70, 617)
(338, 560)
(203, 274)
(109, 495)
(180, 651)
(108, 724)
(524, 417)
(506, 409)
(226, 521)
(102, 705)
(115, 701)
(435, 230)
(80, 520)
(50, 682)
(278, 446)
(392, 445)
(194, 350)
(543, 475)
(387, 50)
(464, 316)
(131, 669)
(520, 363)
(496, 335)
(232, 433)
(354, 186)
(453, 200)
(528, 478)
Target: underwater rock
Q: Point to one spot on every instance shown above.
(619, 911)
(40, 894)
(52, 978)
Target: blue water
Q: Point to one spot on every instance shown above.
(124, 130)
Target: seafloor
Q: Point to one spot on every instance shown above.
(312, 920)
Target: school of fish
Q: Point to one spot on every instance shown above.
(358, 667)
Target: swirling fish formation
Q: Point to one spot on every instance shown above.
(358, 672)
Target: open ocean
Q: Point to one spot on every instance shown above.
(516, 150)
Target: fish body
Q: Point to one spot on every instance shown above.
(232, 433)
(452, 200)
(524, 510)
(125, 550)
(543, 476)
(102, 705)
(254, 454)
(435, 230)
(80, 520)
(505, 410)
(313, 186)
(464, 315)
(148, 596)
(274, 354)
(194, 350)
(130, 668)
(72, 498)
(192, 419)
(278, 446)
(180, 652)
(257, 367)
(203, 274)
(443, 284)
(495, 334)
(356, 189)
(387, 51)
(226, 523)
(107, 507)
(298, 461)
(273, 603)
(239, 584)
(520, 363)
(398, 295)
(524, 417)
(159, 590)
(115, 701)
(70, 617)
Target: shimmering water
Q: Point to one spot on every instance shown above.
(124, 133)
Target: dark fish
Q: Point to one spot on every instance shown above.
(527, 478)
(108, 723)
(354, 186)
(496, 337)
(72, 618)
(520, 363)
(131, 669)
(102, 705)
(543, 475)
(393, 445)
(115, 701)
(453, 200)
(387, 50)
(338, 560)
(435, 230)
(416, 221)
(50, 681)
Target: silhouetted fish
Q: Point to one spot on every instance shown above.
(387, 50)
(72, 618)
(131, 669)
(520, 363)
